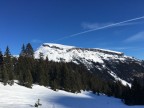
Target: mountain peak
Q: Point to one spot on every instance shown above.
(94, 59)
(59, 52)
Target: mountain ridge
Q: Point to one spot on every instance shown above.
(108, 64)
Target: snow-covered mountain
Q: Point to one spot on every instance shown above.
(58, 53)
(106, 63)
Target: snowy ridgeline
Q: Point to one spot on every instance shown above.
(21, 97)
(58, 52)
(86, 56)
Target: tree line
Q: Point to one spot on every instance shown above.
(60, 75)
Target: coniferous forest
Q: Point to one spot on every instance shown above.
(60, 75)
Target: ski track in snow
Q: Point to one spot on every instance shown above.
(17, 96)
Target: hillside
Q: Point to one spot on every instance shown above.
(17, 96)
(110, 65)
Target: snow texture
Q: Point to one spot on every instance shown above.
(17, 96)
(58, 52)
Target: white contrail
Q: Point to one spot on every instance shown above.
(107, 26)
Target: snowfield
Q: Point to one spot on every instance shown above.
(17, 96)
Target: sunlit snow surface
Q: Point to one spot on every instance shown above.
(21, 97)
(56, 52)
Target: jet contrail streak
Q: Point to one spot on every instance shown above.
(107, 26)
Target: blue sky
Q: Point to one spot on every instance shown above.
(40, 21)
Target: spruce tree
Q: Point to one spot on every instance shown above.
(21, 77)
(66, 77)
(5, 75)
(28, 79)
(42, 71)
(9, 69)
(24, 69)
(46, 69)
(7, 52)
(23, 51)
(21, 66)
(41, 76)
(47, 58)
(41, 56)
(29, 51)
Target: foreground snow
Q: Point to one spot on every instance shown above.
(21, 97)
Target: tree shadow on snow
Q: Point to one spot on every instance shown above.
(88, 101)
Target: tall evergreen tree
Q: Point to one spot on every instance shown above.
(29, 51)
(41, 56)
(7, 52)
(47, 58)
(42, 71)
(28, 78)
(20, 69)
(5, 75)
(9, 69)
(23, 51)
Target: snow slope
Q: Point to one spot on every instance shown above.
(21, 97)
